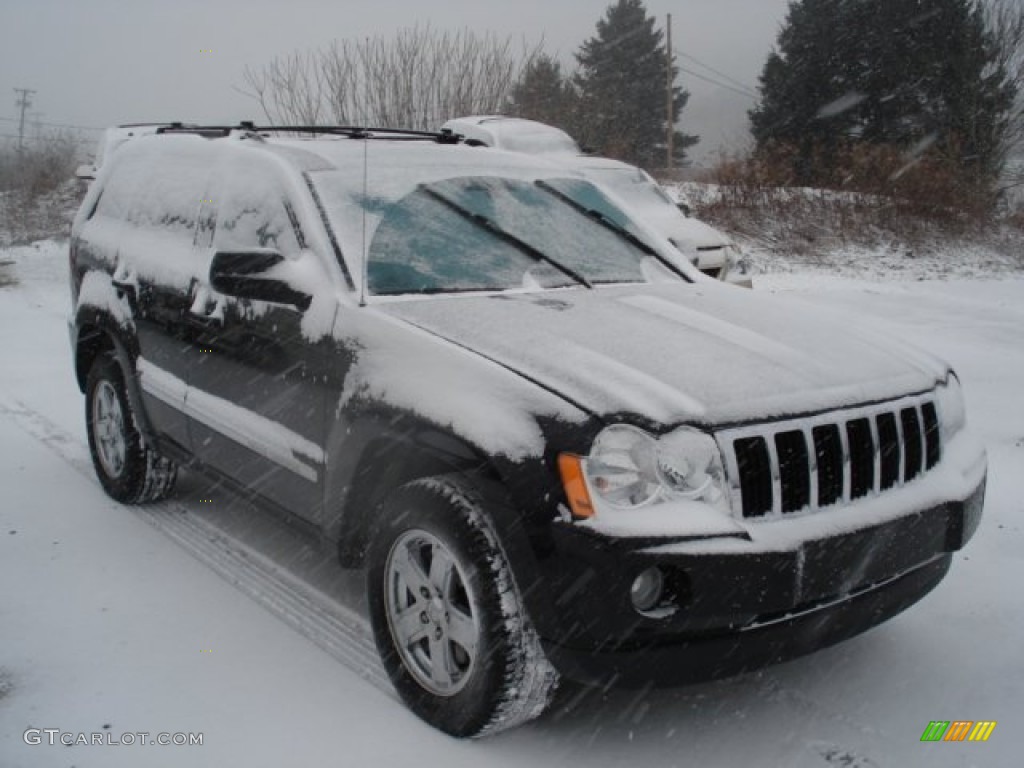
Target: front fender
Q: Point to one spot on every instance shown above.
(94, 331)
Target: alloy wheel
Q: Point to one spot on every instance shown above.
(431, 613)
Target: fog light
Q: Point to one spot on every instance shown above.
(647, 590)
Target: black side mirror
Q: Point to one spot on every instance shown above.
(686, 210)
(243, 274)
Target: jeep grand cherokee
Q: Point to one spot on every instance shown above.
(555, 451)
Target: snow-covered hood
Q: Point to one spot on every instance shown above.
(690, 232)
(672, 224)
(704, 354)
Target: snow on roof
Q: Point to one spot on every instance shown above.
(514, 133)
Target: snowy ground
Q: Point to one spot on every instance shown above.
(202, 616)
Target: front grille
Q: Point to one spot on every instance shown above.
(795, 466)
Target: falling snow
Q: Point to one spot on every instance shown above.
(204, 615)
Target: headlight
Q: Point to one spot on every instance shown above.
(628, 468)
(949, 401)
(689, 465)
(623, 467)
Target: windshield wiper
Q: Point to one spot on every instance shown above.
(609, 224)
(502, 234)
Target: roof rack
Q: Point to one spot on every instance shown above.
(349, 131)
(208, 131)
(358, 132)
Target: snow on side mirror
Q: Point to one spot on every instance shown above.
(246, 275)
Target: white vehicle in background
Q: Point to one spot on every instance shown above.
(713, 252)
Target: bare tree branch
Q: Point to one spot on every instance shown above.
(417, 79)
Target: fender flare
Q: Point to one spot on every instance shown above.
(94, 332)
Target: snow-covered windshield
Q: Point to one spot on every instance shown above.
(633, 186)
(484, 231)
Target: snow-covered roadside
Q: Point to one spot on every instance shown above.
(810, 242)
(117, 624)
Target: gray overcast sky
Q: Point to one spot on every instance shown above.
(102, 62)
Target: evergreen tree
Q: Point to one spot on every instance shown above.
(621, 85)
(544, 94)
(902, 73)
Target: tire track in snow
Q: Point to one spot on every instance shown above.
(338, 630)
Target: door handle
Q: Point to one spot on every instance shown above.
(206, 322)
(204, 312)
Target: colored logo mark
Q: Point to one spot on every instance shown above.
(958, 730)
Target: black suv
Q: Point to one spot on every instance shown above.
(555, 450)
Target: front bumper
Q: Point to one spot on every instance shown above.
(736, 611)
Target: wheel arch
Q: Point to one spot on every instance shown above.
(96, 333)
(390, 452)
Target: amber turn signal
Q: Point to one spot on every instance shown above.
(570, 467)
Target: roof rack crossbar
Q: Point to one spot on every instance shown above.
(359, 132)
(150, 125)
(351, 131)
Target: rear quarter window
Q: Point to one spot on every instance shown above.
(149, 207)
(156, 191)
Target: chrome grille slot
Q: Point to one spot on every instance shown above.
(794, 472)
(931, 435)
(829, 451)
(913, 443)
(889, 445)
(807, 464)
(862, 457)
(755, 475)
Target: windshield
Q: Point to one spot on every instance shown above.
(486, 233)
(633, 186)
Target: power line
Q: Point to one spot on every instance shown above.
(57, 125)
(45, 139)
(736, 87)
(709, 68)
(720, 84)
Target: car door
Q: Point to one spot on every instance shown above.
(257, 395)
(152, 201)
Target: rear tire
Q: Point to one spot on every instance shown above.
(128, 469)
(447, 616)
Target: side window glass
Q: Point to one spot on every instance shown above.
(207, 225)
(254, 212)
(157, 194)
(115, 198)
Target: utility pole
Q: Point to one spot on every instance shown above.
(669, 82)
(24, 102)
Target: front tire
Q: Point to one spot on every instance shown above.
(447, 616)
(128, 469)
